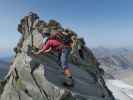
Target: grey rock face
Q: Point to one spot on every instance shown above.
(45, 81)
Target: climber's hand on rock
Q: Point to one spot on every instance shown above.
(39, 52)
(36, 53)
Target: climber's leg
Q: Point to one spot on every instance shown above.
(64, 57)
(64, 62)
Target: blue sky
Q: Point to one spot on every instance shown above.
(106, 23)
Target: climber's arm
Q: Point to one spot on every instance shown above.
(46, 48)
(40, 51)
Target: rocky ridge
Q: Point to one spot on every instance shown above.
(45, 82)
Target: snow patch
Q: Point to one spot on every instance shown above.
(120, 89)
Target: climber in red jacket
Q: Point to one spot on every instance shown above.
(64, 51)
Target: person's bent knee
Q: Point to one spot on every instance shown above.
(67, 72)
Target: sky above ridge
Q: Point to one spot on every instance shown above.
(101, 22)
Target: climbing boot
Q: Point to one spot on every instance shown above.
(68, 80)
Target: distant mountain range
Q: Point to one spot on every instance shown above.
(119, 57)
(5, 59)
(117, 63)
(4, 67)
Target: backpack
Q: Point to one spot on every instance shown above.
(66, 39)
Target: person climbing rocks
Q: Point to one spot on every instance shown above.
(77, 52)
(81, 47)
(74, 51)
(63, 48)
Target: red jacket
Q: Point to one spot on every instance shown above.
(55, 44)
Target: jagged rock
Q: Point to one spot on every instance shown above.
(40, 77)
(53, 24)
